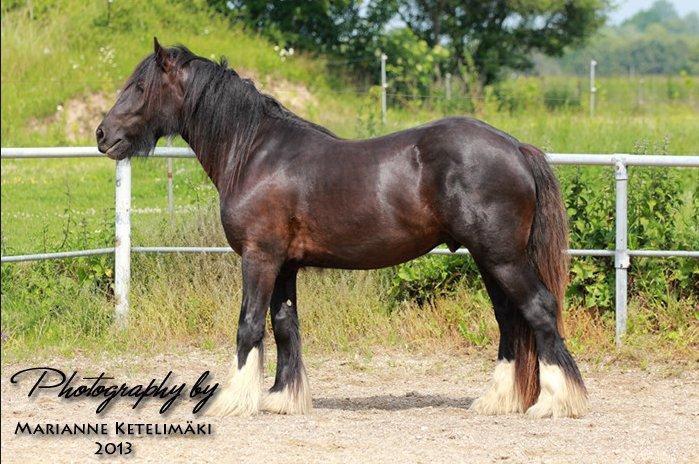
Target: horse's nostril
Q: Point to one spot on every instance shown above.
(100, 133)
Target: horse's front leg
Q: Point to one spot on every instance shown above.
(243, 394)
(290, 393)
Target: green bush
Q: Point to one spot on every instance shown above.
(589, 199)
(55, 303)
(413, 66)
(427, 278)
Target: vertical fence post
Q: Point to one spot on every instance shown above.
(447, 83)
(593, 89)
(621, 253)
(170, 193)
(122, 242)
(383, 88)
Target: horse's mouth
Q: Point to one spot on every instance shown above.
(118, 151)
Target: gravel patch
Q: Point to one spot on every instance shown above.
(389, 408)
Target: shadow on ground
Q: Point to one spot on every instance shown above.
(410, 400)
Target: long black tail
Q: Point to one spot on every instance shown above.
(548, 242)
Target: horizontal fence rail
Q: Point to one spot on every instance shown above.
(203, 249)
(58, 255)
(122, 249)
(583, 159)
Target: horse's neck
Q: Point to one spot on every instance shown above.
(207, 154)
(223, 161)
(217, 157)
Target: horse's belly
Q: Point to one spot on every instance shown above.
(365, 250)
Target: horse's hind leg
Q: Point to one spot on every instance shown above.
(502, 396)
(562, 392)
(290, 393)
(243, 394)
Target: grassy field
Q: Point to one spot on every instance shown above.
(68, 59)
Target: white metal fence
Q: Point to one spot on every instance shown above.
(122, 245)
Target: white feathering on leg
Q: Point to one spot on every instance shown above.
(502, 396)
(242, 395)
(294, 398)
(559, 397)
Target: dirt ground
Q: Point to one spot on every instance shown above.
(379, 408)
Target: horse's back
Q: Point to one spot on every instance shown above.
(449, 142)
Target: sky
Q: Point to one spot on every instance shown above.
(627, 8)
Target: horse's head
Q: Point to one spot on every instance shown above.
(148, 107)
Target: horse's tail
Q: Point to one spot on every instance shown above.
(548, 242)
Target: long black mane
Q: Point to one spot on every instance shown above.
(222, 111)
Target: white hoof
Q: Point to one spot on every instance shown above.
(502, 396)
(243, 394)
(293, 399)
(559, 396)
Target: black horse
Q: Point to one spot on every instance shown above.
(293, 194)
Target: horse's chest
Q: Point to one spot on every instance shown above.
(255, 223)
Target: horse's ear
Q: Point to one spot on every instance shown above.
(161, 56)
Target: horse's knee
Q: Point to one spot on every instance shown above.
(285, 323)
(250, 335)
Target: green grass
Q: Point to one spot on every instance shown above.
(68, 52)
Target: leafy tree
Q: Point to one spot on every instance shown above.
(484, 36)
(653, 41)
(661, 11)
(497, 34)
(663, 15)
(310, 24)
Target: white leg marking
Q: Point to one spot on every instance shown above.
(242, 395)
(292, 399)
(559, 396)
(502, 396)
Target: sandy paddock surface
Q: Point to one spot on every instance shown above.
(383, 408)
